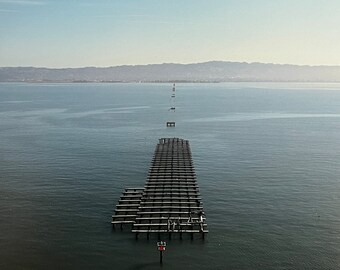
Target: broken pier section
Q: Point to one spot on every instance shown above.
(170, 202)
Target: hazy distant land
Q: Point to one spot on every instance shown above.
(214, 71)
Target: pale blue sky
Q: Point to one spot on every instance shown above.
(77, 33)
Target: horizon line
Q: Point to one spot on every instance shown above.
(174, 63)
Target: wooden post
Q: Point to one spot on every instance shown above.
(161, 247)
(161, 256)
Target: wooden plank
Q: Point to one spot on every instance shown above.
(170, 207)
(123, 222)
(184, 186)
(171, 231)
(170, 202)
(170, 181)
(124, 216)
(171, 175)
(131, 196)
(172, 170)
(172, 184)
(129, 201)
(129, 206)
(132, 193)
(192, 198)
(185, 167)
(188, 194)
(164, 213)
(126, 210)
(165, 218)
(160, 177)
(183, 190)
(183, 224)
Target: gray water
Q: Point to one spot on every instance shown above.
(266, 157)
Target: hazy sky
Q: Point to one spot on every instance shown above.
(76, 33)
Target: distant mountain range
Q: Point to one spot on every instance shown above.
(214, 71)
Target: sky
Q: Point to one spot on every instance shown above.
(79, 33)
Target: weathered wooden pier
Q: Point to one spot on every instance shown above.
(171, 124)
(170, 202)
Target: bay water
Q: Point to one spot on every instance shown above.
(267, 158)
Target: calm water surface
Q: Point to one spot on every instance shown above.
(266, 155)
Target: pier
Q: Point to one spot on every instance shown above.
(170, 201)
(171, 124)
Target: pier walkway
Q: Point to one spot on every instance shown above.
(170, 201)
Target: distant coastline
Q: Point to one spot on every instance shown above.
(207, 72)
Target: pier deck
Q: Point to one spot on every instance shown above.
(170, 201)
